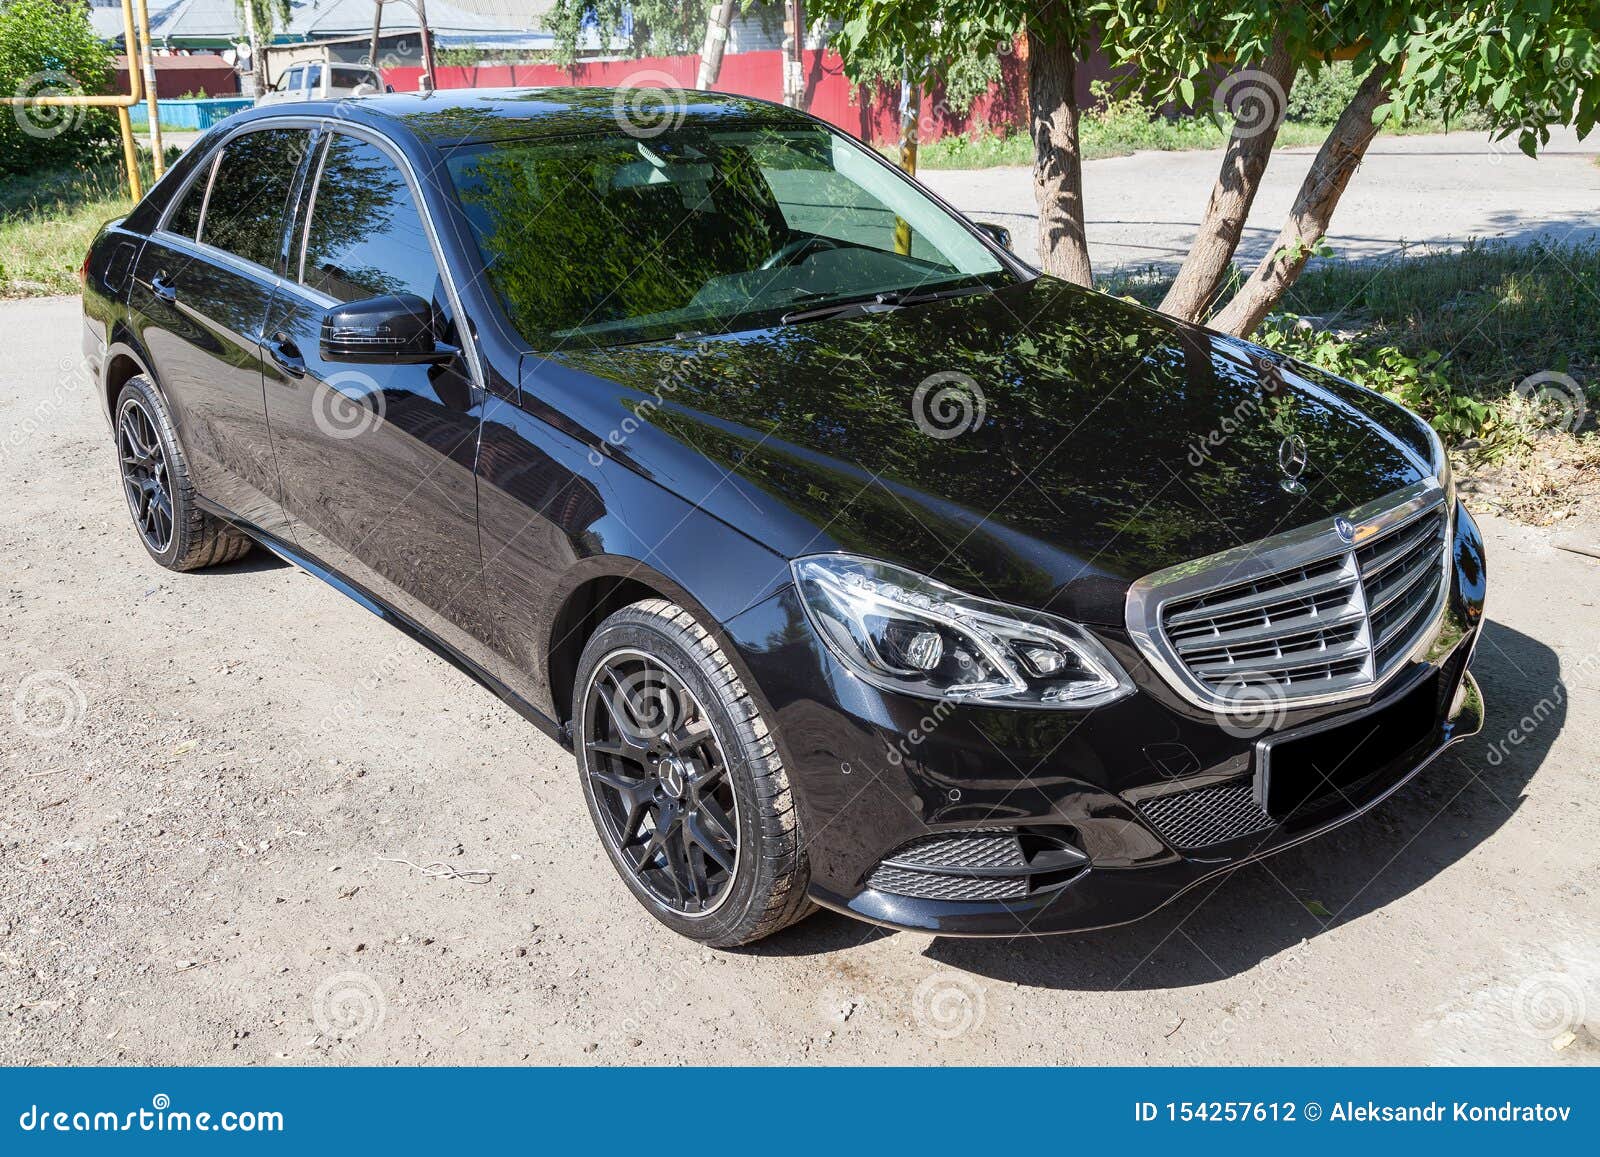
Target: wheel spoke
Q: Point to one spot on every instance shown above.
(633, 789)
(628, 830)
(689, 735)
(678, 865)
(695, 861)
(697, 828)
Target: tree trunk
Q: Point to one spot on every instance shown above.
(1313, 208)
(718, 20)
(794, 54)
(1057, 160)
(1262, 91)
(910, 131)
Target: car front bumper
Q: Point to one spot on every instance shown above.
(1145, 798)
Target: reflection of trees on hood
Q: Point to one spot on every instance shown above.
(1089, 407)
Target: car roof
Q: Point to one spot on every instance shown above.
(455, 116)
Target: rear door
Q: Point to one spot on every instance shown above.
(376, 461)
(200, 296)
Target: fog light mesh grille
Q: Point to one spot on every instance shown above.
(956, 866)
(936, 886)
(1207, 815)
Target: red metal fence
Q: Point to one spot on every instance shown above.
(869, 113)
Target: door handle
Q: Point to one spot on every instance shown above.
(285, 354)
(164, 289)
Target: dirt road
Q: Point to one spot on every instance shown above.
(210, 784)
(1421, 190)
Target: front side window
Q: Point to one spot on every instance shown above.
(608, 239)
(365, 236)
(291, 79)
(249, 204)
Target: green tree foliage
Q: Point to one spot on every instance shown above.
(1526, 65)
(659, 27)
(47, 48)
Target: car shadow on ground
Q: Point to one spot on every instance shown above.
(1229, 924)
(258, 561)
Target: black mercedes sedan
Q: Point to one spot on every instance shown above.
(858, 563)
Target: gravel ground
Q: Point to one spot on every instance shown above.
(210, 784)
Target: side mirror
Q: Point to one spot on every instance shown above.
(999, 234)
(397, 328)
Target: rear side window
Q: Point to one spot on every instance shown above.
(249, 205)
(365, 236)
(185, 219)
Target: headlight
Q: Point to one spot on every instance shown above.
(905, 632)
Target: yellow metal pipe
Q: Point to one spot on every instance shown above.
(130, 153)
(158, 160)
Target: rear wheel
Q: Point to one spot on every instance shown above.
(155, 481)
(683, 780)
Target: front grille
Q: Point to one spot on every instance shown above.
(1316, 617)
(1207, 815)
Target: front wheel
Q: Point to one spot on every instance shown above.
(683, 780)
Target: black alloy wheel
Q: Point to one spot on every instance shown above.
(145, 479)
(660, 776)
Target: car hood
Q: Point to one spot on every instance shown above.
(1041, 444)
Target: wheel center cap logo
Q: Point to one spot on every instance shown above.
(1292, 460)
(673, 776)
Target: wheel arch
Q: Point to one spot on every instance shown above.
(597, 588)
(124, 361)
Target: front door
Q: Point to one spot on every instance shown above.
(375, 461)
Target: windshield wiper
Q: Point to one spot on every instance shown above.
(880, 302)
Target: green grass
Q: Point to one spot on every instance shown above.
(1116, 131)
(1498, 311)
(47, 220)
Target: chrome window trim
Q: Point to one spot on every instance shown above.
(1148, 597)
(464, 335)
(464, 329)
(207, 170)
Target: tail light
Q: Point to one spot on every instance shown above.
(83, 270)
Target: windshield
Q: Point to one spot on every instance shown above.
(611, 239)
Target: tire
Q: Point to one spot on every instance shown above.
(646, 646)
(186, 538)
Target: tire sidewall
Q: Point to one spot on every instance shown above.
(745, 902)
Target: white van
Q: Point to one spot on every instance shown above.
(316, 80)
